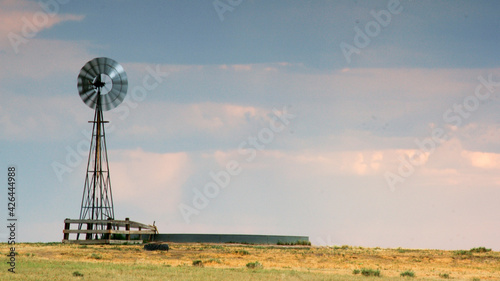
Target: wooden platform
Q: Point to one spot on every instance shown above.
(105, 229)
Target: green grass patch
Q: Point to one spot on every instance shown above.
(198, 263)
(214, 260)
(444, 275)
(401, 250)
(370, 272)
(479, 250)
(253, 265)
(408, 273)
(462, 253)
(96, 256)
(242, 252)
(47, 270)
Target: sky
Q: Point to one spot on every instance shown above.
(366, 123)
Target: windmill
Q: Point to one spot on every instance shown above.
(102, 85)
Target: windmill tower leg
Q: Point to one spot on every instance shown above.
(97, 199)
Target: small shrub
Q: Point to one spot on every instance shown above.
(77, 274)
(370, 272)
(401, 250)
(462, 253)
(83, 246)
(480, 250)
(96, 256)
(407, 273)
(356, 271)
(254, 265)
(242, 252)
(444, 275)
(198, 263)
(216, 260)
(476, 279)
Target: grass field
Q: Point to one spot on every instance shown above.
(55, 261)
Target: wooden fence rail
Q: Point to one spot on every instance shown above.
(101, 231)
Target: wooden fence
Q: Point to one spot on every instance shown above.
(107, 231)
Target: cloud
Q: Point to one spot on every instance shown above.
(46, 59)
(356, 98)
(164, 120)
(21, 21)
(40, 118)
(483, 160)
(149, 181)
(449, 164)
(242, 67)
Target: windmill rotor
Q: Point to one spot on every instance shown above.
(102, 83)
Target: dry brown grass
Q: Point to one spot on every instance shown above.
(427, 264)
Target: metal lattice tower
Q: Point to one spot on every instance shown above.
(97, 200)
(102, 85)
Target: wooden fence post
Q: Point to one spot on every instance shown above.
(66, 227)
(90, 226)
(127, 227)
(108, 228)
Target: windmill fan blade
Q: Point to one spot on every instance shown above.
(106, 101)
(115, 97)
(95, 67)
(92, 79)
(113, 74)
(89, 71)
(86, 96)
(101, 64)
(107, 88)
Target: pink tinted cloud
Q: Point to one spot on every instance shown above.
(220, 120)
(22, 20)
(150, 181)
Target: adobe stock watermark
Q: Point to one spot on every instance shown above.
(77, 154)
(372, 29)
(248, 148)
(224, 6)
(32, 26)
(453, 116)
